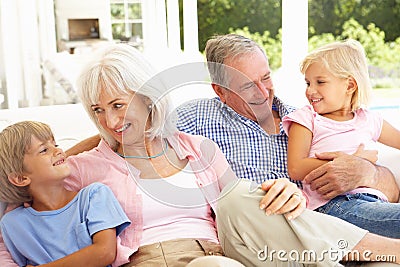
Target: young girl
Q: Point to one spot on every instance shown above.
(61, 228)
(338, 89)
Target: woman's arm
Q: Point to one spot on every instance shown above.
(298, 161)
(101, 253)
(84, 145)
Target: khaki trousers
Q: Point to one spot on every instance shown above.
(249, 236)
(173, 253)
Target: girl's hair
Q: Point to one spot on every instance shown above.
(344, 59)
(15, 141)
(221, 48)
(122, 69)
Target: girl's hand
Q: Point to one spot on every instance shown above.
(370, 155)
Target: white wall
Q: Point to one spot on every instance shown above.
(28, 37)
(21, 54)
(289, 82)
(83, 9)
(70, 124)
(2, 73)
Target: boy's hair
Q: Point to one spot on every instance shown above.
(220, 48)
(344, 59)
(15, 140)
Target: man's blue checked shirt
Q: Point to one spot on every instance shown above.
(252, 153)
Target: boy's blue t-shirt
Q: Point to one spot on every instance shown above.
(36, 238)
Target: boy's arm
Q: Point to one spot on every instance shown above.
(101, 253)
(84, 145)
(299, 143)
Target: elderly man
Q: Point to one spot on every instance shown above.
(245, 122)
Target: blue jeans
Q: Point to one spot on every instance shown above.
(366, 211)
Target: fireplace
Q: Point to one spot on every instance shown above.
(81, 29)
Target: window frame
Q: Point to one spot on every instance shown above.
(126, 21)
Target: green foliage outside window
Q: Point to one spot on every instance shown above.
(125, 26)
(383, 57)
(375, 23)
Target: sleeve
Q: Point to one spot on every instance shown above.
(73, 182)
(105, 211)
(304, 116)
(218, 162)
(376, 123)
(187, 118)
(5, 256)
(224, 171)
(86, 168)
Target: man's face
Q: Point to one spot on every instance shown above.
(250, 92)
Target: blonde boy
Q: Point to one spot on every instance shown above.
(60, 226)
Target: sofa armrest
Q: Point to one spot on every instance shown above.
(390, 158)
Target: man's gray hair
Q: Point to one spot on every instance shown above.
(221, 48)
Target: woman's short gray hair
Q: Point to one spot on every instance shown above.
(122, 69)
(221, 48)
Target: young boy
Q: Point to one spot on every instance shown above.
(60, 227)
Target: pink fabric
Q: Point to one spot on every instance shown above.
(330, 135)
(101, 164)
(174, 207)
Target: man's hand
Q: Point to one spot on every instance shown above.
(342, 174)
(282, 197)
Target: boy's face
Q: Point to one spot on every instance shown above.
(45, 163)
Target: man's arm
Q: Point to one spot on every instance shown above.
(386, 183)
(347, 172)
(84, 145)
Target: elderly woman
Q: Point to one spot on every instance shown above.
(166, 181)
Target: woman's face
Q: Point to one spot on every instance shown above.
(123, 116)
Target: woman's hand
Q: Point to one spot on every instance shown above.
(282, 197)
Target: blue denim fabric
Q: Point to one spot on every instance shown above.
(366, 211)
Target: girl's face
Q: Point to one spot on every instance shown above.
(44, 162)
(327, 93)
(123, 116)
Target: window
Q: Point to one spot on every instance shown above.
(126, 21)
